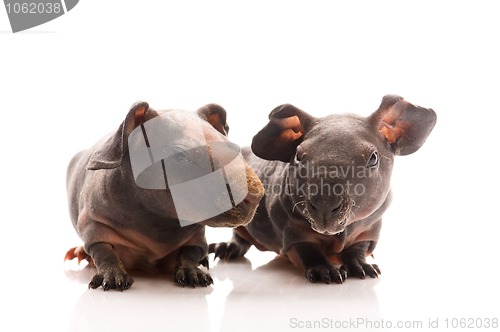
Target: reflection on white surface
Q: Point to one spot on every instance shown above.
(263, 292)
(246, 296)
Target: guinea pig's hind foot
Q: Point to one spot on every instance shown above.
(80, 254)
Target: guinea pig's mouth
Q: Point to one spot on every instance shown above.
(331, 226)
(242, 213)
(326, 232)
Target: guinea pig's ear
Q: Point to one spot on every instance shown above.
(279, 139)
(403, 125)
(110, 153)
(216, 116)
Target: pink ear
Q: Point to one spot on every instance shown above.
(279, 139)
(140, 114)
(291, 129)
(216, 116)
(390, 125)
(404, 125)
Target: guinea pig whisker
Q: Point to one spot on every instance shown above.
(307, 215)
(295, 205)
(346, 209)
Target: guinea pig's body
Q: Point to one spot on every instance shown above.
(124, 226)
(327, 183)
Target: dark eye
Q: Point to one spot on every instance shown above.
(373, 161)
(182, 156)
(298, 155)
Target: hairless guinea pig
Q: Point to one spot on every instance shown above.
(327, 184)
(126, 226)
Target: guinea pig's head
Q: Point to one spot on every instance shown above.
(183, 165)
(340, 165)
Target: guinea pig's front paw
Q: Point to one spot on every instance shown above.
(192, 276)
(112, 278)
(227, 250)
(326, 273)
(358, 267)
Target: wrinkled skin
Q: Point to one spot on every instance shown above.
(327, 183)
(125, 227)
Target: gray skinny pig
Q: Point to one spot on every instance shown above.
(124, 226)
(327, 184)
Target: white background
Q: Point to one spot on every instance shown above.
(65, 84)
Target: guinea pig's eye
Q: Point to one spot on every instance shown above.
(373, 161)
(182, 157)
(298, 155)
(298, 159)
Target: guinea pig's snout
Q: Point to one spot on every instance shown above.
(324, 209)
(328, 214)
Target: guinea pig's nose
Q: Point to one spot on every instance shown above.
(327, 208)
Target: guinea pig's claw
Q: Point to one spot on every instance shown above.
(96, 281)
(118, 280)
(221, 250)
(326, 273)
(192, 277)
(204, 262)
(343, 272)
(362, 270)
